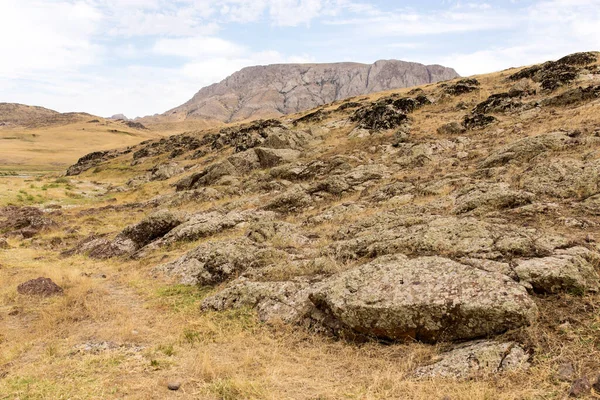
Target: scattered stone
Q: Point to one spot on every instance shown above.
(4, 244)
(462, 86)
(93, 160)
(565, 372)
(379, 116)
(152, 227)
(451, 128)
(579, 59)
(426, 298)
(580, 387)
(477, 358)
(269, 158)
(292, 200)
(24, 221)
(504, 103)
(477, 121)
(174, 385)
(43, 287)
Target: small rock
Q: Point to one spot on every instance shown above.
(174, 385)
(565, 372)
(4, 244)
(596, 384)
(44, 287)
(580, 387)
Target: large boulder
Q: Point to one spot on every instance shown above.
(571, 270)
(269, 158)
(214, 262)
(430, 235)
(427, 299)
(471, 359)
(285, 301)
(153, 227)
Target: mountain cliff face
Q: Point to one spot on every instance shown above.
(275, 90)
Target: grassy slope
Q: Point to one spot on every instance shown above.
(161, 336)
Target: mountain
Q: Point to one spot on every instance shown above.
(280, 89)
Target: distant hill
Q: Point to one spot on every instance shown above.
(21, 115)
(276, 90)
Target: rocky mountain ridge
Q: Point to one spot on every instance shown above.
(280, 89)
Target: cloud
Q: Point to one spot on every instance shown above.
(198, 47)
(47, 36)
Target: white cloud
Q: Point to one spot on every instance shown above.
(48, 36)
(198, 47)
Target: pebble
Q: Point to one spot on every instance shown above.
(581, 387)
(174, 385)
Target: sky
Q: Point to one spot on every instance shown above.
(141, 57)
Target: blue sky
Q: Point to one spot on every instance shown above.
(141, 57)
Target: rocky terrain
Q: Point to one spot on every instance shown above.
(433, 242)
(276, 90)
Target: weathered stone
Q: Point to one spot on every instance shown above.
(292, 200)
(477, 121)
(4, 244)
(489, 196)
(272, 157)
(208, 176)
(570, 270)
(430, 235)
(574, 96)
(477, 358)
(275, 301)
(427, 299)
(24, 221)
(462, 86)
(563, 178)
(43, 287)
(214, 262)
(526, 149)
(580, 388)
(163, 172)
(152, 227)
(565, 372)
(451, 128)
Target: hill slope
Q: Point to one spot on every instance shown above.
(422, 243)
(21, 115)
(275, 90)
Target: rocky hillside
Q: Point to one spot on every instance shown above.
(276, 90)
(20, 115)
(462, 214)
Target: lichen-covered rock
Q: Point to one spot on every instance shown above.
(570, 270)
(427, 299)
(292, 200)
(490, 196)
(269, 158)
(574, 96)
(153, 227)
(430, 235)
(210, 223)
(527, 148)
(24, 221)
(451, 128)
(563, 178)
(471, 359)
(206, 177)
(214, 262)
(462, 86)
(379, 116)
(503, 103)
(274, 301)
(265, 230)
(477, 121)
(163, 172)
